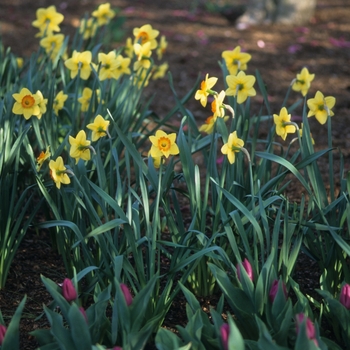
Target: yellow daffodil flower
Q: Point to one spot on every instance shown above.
(42, 104)
(99, 127)
(123, 64)
(58, 172)
(205, 89)
(146, 34)
(108, 66)
(160, 71)
(143, 53)
(282, 122)
(42, 157)
(19, 61)
(208, 125)
(80, 61)
(163, 144)
(26, 103)
(52, 44)
(141, 78)
(233, 145)
(303, 81)
(129, 48)
(58, 102)
(85, 99)
(157, 161)
(236, 60)
(80, 147)
(321, 107)
(163, 44)
(217, 106)
(241, 86)
(104, 14)
(88, 28)
(48, 20)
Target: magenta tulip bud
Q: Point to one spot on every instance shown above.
(225, 333)
(117, 348)
(68, 290)
(3, 330)
(274, 290)
(345, 296)
(127, 294)
(310, 328)
(83, 312)
(247, 267)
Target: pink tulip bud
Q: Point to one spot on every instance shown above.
(117, 348)
(225, 333)
(274, 290)
(345, 296)
(83, 312)
(247, 267)
(310, 328)
(68, 290)
(3, 330)
(127, 294)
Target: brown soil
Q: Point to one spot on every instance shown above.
(196, 40)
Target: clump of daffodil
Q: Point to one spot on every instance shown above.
(85, 99)
(42, 157)
(303, 81)
(241, 86)
(58, 102)
(233, 145)
(52, 44)
(146, 34)
(205, 89)
(321, 107)
(41, 103)
(26, 104)
(163, 144)
(99, 128)
(108, 65)
(163, 44)
(79, 62)
(88, 27)
(283, 123)
(160, 71)
(59, 172)
(236, 60)
(47, 20)
(103, 14)
(80, 147)
(143, 53)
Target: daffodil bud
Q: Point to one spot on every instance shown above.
(127, 294)
(68, 290)
(345, 296)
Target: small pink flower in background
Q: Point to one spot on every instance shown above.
(127, 294)
(310, 328)
(68, 290)
(83, 312)
(247, 267)
(339, 42)
(274, 290)
(117, 348)
(3, 330)
(225, 333)
(303, 30)
(345, 296)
